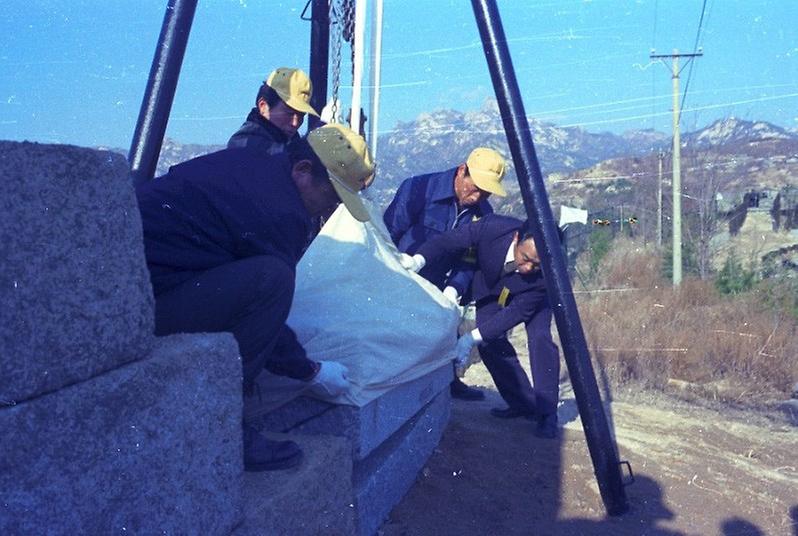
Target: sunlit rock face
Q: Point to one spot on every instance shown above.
(732, 130)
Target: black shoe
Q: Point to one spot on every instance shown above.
(261, 454)
(511, 413)
(546, 427)
(464, 392)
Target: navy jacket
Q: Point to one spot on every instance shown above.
(259, 134)
(426, 206)
(491, 236)
(219, 208)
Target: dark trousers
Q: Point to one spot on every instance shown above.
(511, 380)
(250, 298)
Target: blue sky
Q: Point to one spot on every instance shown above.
(75, 72)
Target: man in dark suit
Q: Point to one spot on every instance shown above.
(509, 289)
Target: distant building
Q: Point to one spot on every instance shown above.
(785, 209)
(780, 205)
(762, 228)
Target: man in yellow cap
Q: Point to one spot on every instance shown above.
(427, 205)
(222, 236)
(281, 104)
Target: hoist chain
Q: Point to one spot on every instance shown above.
(342, 19)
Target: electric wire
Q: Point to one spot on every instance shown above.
(653, 77)
(692, 63)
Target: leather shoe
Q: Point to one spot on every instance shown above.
(464, 392)
(546, 427)
(261, 454)
(510, 413)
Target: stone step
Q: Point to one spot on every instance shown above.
(382, 480)
(331, 493)
(314, 498)
(366, 427)
(153, 447)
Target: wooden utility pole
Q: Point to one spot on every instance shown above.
(660, 156)
(677, 175)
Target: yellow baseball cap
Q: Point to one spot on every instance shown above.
(486, 168)
(294, 87)
(346, 157)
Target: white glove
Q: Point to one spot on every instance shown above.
(331, 379)
(463, 348)
(451, 294)
(413, 263)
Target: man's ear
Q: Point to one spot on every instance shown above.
(302, 171)
(461, 171)
(515, 236)
(263, 108)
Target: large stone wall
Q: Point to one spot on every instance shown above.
(104, 429)
(74, 287)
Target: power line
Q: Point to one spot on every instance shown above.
(695, 49)
(653, 80)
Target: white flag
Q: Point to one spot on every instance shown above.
(572, 215)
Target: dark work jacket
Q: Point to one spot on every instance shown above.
(219, 208)
(260, 134)
(491, 236)
(426, 206)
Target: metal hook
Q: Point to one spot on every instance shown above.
(631, 475)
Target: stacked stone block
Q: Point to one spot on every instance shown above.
(104, 429)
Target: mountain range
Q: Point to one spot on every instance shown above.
(578, 165)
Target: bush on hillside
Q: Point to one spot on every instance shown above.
(642, 331)
(733, 278)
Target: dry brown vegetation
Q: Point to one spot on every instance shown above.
(642, 331)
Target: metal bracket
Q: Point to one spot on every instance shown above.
(630, 475)
(305, 10)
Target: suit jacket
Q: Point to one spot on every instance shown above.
(425, 206)
(503, 300)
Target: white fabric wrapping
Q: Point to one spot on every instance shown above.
(355, 304)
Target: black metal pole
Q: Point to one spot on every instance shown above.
(160, 92)
(319, 57)
(600, 443)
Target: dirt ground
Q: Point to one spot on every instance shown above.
(697, 470)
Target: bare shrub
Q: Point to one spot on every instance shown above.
(642, 330)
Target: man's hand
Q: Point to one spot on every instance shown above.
(331, 379)
(414, 263)
(451, 294)
(463, 349)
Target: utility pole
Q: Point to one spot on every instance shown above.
(660, 156)
(677, 175)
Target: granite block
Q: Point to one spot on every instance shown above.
(366, 427)
(153, 447)
(315, 498)
(382, 480)
(74, 286)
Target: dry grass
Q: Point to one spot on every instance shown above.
(641, 330)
